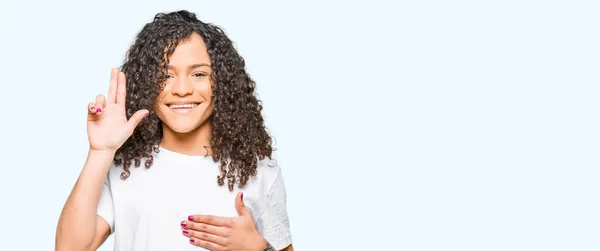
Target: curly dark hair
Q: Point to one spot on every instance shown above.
(238, 137)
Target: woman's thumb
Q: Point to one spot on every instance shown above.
(137, 118)
(239, 205)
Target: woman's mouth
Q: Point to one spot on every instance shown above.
(183, 108)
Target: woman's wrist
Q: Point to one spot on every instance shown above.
(109, 154)
(262, 243)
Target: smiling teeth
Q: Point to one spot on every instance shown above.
(186, 106)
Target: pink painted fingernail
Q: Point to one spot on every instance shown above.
(93, 109)
(185, 231)
(242, 196)
(99, 110)
(183, 224)
(192, 240)
(191, 218)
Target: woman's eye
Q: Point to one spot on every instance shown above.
(199, 74)
(169, 76)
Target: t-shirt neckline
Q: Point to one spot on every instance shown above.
(181, 155)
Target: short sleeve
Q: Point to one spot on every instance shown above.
(105, 205)
(274, 222)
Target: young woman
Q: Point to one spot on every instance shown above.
(179, 157)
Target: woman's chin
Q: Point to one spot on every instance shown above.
(185, 124)
(184, 128)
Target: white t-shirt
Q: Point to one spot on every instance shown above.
(145, 210)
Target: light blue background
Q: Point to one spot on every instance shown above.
(415, 125)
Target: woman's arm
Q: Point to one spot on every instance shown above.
(288, 248)
(79, 227)
(268, 247)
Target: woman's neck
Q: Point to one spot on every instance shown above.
(195, 142)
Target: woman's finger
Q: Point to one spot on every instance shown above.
(112, 87)
(121, 89)
(206, 244)
(92, 108)
(100, 103)
(206, 228)
(204, 236)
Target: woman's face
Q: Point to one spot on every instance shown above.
(185, 103)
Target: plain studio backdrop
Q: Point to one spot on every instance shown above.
(407, 125)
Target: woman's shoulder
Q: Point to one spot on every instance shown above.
(269, 173)
(268, 167)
